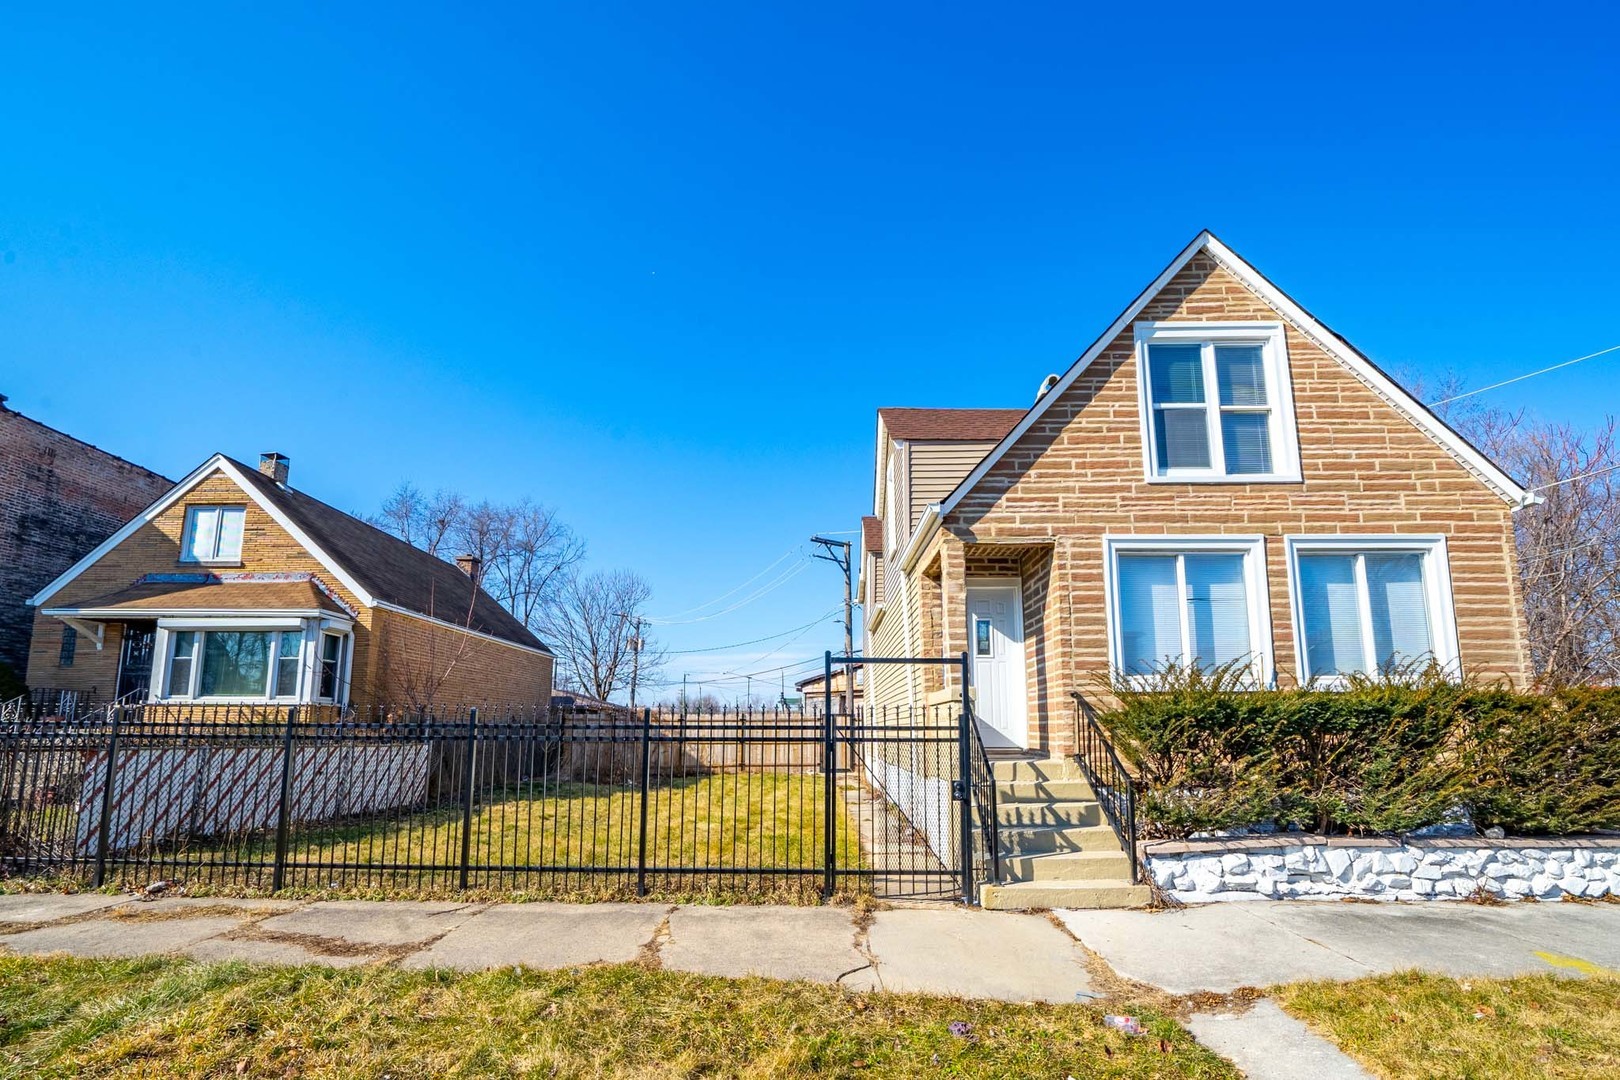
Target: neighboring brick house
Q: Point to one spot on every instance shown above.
(813, 690)
(59, 498)
(234, 586)
(1267, 498)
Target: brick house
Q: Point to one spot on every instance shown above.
(1265, 497)
(59, 497)
(235, 587)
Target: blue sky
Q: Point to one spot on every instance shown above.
(657, 266)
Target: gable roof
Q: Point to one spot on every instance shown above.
(381, 570)
(1447, 438)
(216, 594)
(928, 425)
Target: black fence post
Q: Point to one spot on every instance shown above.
(829, 777)
(467, 796)
(646, 782)
(104, 832)
(278, 874)
(964, 736)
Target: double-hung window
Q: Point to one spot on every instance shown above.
(213, 534)
(1216, 402)
(1185, 602)
(1368, 605)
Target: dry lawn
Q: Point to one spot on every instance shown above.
(1412, 1025)
(174, 1018)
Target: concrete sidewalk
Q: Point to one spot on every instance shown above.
(1220, 947)
(935, 949)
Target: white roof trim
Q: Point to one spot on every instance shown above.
(396, 609)
(1424, 420)
(927, 526)
(217, 463)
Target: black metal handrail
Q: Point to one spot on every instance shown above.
(982, 782)
(1111, 782)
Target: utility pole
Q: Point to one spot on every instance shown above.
(842, 561)
(635, 654)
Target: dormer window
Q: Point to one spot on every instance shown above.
(1216, 403)
(213, 534)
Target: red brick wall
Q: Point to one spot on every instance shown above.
(59, 498)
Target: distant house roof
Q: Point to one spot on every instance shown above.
(872, 535)
(379, 569)
(391, 570)
(948, 424)
(213, 594)
(819, 676)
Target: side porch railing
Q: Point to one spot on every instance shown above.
(1110, 781)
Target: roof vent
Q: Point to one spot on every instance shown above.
(275, 467)
(1046, 385)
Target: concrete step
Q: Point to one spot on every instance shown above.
(1072, 790)
(1074, 894)
(1040, 839)
(1066, 866)
(1081, 812)
(1046, 769)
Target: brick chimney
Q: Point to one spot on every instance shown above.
(471, 565)
(275, 467)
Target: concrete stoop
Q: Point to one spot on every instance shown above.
(1057, 850)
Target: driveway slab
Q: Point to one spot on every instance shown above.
(22, 908)
(1224, 946)
(984, 954)
(815, 943)
(1268, 1044)
(367, 922)
(109, 937)
(544, 936)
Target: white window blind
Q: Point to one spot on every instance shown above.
(1364, 612)
(1184, 609)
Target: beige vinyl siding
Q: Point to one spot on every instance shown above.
(936, 469)
(877, 579)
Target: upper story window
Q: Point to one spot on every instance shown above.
(1217, 405)
(213, 534)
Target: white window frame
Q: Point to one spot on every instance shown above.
(1436, 589)
(309, 631)
(187, 534)
(1253, 550)
(1284, 434)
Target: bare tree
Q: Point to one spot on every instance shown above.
(1569, 544)
(526, 551)
(590, 626)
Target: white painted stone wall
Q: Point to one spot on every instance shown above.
(1322, 871)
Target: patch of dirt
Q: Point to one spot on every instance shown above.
(649, 956)
(323, 946)
(142, 914)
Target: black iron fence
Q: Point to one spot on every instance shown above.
(1111, 782)
(556, 803)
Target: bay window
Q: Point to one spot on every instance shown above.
(1187, 602)
(253, 663)
(1369, 605)
(1216, 402)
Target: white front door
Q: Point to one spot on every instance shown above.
(995, 611)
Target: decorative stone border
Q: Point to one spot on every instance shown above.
(1308, 867)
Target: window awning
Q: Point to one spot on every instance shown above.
(154, 599)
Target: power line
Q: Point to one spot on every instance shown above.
(769, 587)
(769, 637)
(1572, 479)
(780, 559)
(1521, 378)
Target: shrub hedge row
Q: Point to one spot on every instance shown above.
(1382, 757)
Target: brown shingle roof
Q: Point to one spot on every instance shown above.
(872, 535)
(158, 596)
(931, 424)
(392, 570)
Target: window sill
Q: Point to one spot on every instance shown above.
(1271, 478)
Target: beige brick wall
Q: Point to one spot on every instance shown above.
(420, 663)
(1078, 475)
(482, 671)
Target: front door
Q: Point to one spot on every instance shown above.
(135, 660)
(996, 642)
